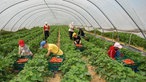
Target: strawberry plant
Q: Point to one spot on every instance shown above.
(74, 68)
(124, 37)
(37, 68)
(6, 69)
(109, 69)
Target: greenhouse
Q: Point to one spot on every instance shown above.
(73, 41)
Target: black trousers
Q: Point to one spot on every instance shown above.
(70, 34)
(46, 33)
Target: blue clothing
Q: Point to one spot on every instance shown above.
(117, 55)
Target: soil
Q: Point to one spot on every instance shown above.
(58, 42)
(95, 77)
(91, 70)
(57, 76)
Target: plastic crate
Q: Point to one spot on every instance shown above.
(18, 66)
(132, 66)
(29, 57)
(54, 66)
(79, 48)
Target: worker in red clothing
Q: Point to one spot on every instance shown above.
(46, 30)
(114, 52)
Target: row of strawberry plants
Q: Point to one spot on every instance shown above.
(10, 58)
(74, 68)
(16, 35)
(6, 34)
(109, 69)
(131, 54)
(13, 48)
(8, 47)
(37, 68)
(3, 32)
(124, 37)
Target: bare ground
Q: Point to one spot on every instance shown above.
(95, 77)
(57, 76)
(91, 70)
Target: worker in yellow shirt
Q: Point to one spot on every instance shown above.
(52, 48)
(56, 56)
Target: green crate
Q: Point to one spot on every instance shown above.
(54, 66)
(133, 67)
(80, 48)
(29, 57)
(18, 66)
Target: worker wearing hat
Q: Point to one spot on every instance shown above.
(52, 48)
(114, 52)
(46, 30)
(71, 30)
(24, 49)
(77, 39)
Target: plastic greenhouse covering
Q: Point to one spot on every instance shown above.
(105, 15)
(72, 40)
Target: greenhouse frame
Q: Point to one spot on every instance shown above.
(104, 22)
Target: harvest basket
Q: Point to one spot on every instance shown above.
(79, 47)
(54, 65)
(133, 66)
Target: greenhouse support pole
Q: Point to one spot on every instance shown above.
(70, 14)
(22, 17)
(85, 11)
(50, 10)
(113, 36)
(132, 19)
(75, 11)
(58, 8)
(33, 19)
(68, 11)
(104, 16)
(27, 14)
(12, 5)
(44, 4)
(40, 5)
(130, 39)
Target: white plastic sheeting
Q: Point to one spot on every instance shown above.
(106, 15)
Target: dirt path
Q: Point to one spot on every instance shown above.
(91, 70)
(58, 42)
(95, 77)
(57, 76)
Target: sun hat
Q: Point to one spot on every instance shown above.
(21, 43)
(74, 34)
(117, 45)
(42, 44)
(46, 22)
